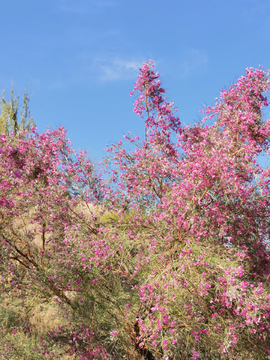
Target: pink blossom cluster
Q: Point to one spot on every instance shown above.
(165, 253)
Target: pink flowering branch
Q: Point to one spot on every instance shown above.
(165, 253)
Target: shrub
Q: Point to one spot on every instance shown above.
(174, 263)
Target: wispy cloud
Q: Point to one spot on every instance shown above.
(117, 69)
(99, 70)
(194, 61)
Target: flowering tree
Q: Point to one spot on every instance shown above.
(168, 259)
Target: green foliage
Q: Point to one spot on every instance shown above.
(13, 117)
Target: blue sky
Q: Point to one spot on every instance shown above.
(80, 58)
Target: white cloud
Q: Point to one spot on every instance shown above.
(194, 61)
(117, 69)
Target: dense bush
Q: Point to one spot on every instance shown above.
(164, 255)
